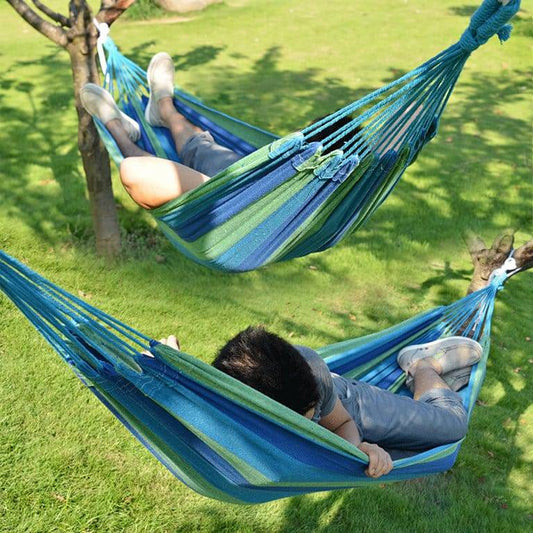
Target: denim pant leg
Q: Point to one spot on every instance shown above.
(399, 422)
(203, 154)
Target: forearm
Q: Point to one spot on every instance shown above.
(348, 431)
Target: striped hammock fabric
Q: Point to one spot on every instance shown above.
(219, 436)
(302, 193)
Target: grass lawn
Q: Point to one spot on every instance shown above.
(66, 464)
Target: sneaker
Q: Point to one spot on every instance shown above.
(451, 352)
(458, 378)
(100, 104)
(161, 82)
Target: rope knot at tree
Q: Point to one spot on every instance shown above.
(490, 19)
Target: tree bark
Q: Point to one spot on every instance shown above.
(487, 260)
(77, 34)
(95, 159)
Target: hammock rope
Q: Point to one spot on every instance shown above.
(220, 437)
(292, 196)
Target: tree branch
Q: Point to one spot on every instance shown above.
(54, 33)
(110, 10)
(487, 260)
(56, 17)
(524, 256)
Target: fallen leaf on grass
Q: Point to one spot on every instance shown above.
(86, 295)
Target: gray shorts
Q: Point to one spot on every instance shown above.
(203, 154)
(398, 422)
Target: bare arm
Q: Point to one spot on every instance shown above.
(341, 423)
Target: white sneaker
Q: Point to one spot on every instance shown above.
(452, 353)
(100, 104)
(161, 82)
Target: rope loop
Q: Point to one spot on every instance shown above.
(499, 276)
(103, 34)
(490, 19)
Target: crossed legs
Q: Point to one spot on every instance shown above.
(149, 180)
(153, 181)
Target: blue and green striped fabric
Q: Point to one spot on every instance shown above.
(220, 437)
(302, 193)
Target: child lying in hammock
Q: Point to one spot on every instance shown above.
(377, 421)
(152, 181)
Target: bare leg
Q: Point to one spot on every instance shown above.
(126, 145)
(427, 376)
(151, 181)
(180, 128)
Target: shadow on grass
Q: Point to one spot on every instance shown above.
(454, 185)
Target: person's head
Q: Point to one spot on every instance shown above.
(270, 365)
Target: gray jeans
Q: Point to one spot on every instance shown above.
(398, 422)
(203, 154)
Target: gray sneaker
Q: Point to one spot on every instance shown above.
(458, 378)
(451, 352)
(100, 104)
(161, 82)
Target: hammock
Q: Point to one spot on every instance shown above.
(299, 194)
(219, 436)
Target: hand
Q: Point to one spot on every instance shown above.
(379, 461)
(171, 341)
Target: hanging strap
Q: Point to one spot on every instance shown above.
(103, 34)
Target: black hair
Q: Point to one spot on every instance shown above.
(270, 365)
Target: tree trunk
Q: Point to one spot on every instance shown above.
(77, 34)
(487, 260)
(93, 153)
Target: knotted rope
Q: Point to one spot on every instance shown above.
(489, 19)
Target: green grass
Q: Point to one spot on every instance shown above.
(66, 464)
(145, 10)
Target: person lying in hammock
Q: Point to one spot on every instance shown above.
(380, 423)
(152, 181)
